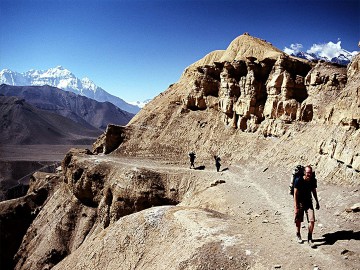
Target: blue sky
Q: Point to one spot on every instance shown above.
(136, 49)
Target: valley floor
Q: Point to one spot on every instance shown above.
(19, 162)
(38, 152)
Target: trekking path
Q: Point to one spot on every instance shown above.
(271, 223)
(258, 203)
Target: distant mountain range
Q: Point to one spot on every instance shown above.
(22, 123)
(62, 78)
(83, 110)
(342, 59)
(140, 104)
(329, 52)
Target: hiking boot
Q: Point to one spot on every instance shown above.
(298, 238)
(311, 243)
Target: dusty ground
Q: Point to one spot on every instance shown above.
(38, 152)
(256, 203)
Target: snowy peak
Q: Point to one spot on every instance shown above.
(304, 55)
(58, 71)
(140, 104)
(12, 78)
(341, 59)
(330, 52)
(89, 84)
(63, 78)
(57, 77)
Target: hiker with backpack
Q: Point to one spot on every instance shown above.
(304, 188)
(217, 163)
(192, 156)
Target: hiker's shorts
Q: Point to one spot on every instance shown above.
(308, 209)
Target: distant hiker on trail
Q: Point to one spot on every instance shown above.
(217, 163)
(304, 187)
(192, 156)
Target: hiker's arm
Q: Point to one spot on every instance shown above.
(316, 199)
(296, 203)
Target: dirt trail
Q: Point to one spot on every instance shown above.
(257, 202)
(272, 231)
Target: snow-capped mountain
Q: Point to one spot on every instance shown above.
(342, 59)
(140, 104)
(330, 52)
(64, 79)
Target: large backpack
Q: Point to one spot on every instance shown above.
(298, 172)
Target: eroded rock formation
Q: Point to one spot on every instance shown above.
(110, 140)
(251, 92)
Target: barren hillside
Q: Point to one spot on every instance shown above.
(85, 111)
(23, 124)
(133, 202)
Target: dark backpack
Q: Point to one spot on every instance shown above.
(297, 173)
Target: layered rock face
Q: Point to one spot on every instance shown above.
(249, 92)
(262, 94)
(342, 145)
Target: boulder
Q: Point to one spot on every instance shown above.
(111, 139)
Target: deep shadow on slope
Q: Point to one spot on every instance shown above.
(332, 238)
(16, 217)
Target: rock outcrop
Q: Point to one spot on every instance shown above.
(110, 140)
(251, 94)
(132, 237)
(341, 147)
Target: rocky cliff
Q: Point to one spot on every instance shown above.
(231, 101)
(133, 203)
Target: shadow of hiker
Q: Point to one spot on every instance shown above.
(331, 238)
(202, 167)
(225, 169)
